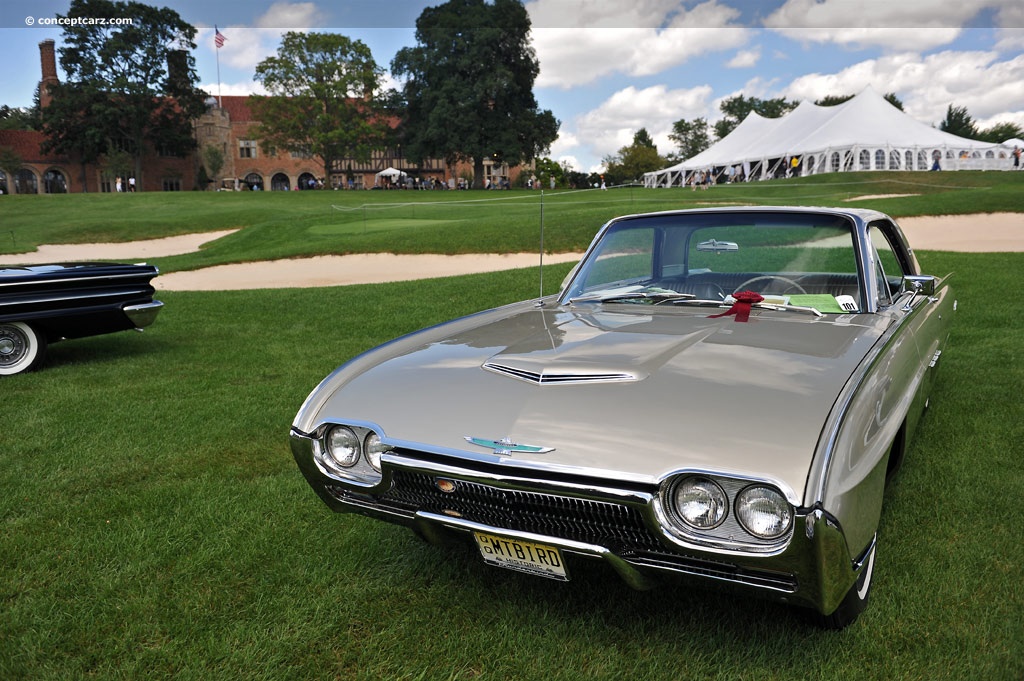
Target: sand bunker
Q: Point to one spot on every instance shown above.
(129, 250)
(980, 233)
(340, 270)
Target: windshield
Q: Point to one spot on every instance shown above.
(798, 259)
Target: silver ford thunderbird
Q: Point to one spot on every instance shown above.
(714, 394)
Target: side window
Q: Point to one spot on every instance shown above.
(888, 271)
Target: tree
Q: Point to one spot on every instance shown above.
(19, 118)
(10, 161)
(323, 99)
(691, 137)
(129, 86)
(547, 168)
(213, 158)
(468, 90)
(1000, 132)
(642, 138)
(958, 122)
(634, 160)
(739, 107)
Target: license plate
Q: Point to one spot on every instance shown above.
(524, 556)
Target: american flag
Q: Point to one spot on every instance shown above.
(218, 38)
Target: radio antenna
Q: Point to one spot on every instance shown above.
(541, 243)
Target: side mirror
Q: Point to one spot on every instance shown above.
(923, 284)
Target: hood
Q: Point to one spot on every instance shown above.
(622, 392)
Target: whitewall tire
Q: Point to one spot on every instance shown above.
(21, 348)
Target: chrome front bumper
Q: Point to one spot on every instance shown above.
(815, 570)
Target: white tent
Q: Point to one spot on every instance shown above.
(391, 173)
(863, 133)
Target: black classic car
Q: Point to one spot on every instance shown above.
(42, 304)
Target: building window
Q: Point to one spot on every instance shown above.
(172, 184)
(247, 148)
(54, 182)
(25, 182)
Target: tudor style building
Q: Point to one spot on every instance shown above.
(227, 125)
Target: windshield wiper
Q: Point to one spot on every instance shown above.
(762, 305)
(655, 297)
(789, 308)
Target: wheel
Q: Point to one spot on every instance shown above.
(790, 284)
(22, 348)
(856, 598)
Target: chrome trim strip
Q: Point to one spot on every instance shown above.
(77, 296)
(98, 278)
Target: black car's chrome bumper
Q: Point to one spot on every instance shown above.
(144, 314)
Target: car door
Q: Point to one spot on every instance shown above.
(926, 314)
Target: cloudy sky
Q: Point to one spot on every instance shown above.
(608, 69)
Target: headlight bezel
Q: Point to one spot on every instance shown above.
(363, 470)
(729, 535)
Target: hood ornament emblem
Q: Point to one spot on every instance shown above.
(506, 446)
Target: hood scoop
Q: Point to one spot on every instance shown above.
(549, 376)
(554, 377)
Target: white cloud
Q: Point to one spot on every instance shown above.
(977, 80)
(744, 59)
(640, 39)
(920, 39)
(247, 46)
(612, 125)
(244, 47)
(242, 89)
(840, 14)
(289, 16)
(900, 26)
(565, 142)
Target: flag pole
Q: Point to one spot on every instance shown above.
(217, 44)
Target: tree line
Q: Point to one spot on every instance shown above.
(132, 88)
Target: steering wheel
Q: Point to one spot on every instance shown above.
(790, 284)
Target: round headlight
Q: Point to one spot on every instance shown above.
(374, 448)
(763, 512)
(342, 446)
(700, 502)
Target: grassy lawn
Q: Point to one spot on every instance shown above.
(154, 524)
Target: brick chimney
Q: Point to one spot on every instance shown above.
(48, 61)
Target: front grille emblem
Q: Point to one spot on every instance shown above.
(446, 486)
(506, 446)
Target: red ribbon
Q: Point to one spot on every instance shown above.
(741, 308)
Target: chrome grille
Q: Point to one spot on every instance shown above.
(615, 526)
